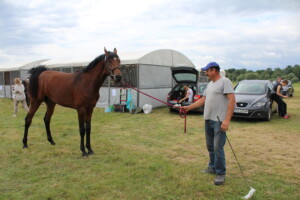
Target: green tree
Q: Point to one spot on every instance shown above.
(290, 76)
(232, 77)
(288, 69)
(231, 71)
(295, 79)
(264, 76)
(277, 72)
(296, 70)
(269, 71)
(240, 77)
(290, 72)
(252, 76)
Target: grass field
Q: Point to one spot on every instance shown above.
(146, 157)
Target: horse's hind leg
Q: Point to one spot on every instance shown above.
(50, 108)
(28, 119)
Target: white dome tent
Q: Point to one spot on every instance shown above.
(153, 74)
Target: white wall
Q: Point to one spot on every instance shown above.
(159, 93)
(154, 76)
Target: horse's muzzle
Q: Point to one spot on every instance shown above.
(117, 78)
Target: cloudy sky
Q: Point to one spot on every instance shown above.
(253, 34)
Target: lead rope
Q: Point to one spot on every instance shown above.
(182, 113)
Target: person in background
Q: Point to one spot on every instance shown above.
(219, 100)
(278, 98)
(277, 82)
(19, 96)
(189, 94)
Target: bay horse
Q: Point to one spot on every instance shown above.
(79, 90)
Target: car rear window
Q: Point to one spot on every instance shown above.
(185, 77)
(250, 88)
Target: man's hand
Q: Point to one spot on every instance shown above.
(225, 125)
(186, 108)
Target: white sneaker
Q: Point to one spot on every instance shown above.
(14, 115)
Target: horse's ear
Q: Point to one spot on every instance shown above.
(105, 51)
(115, 51)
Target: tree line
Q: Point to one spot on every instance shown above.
(290, 72)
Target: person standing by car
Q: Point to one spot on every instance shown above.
(19, 96)
(189, 94)
(278, 98)
(277, 82)
(219, 100)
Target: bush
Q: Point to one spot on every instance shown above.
(252, 76)
(240, 77)
(295, 79)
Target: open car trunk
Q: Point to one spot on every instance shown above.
(185, 75)
(178, 92)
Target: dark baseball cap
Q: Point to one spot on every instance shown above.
(210, 65)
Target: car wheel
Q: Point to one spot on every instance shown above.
(172, 109)
(269, 115)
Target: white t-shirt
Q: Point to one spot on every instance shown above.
(191, 95)
(216, 102)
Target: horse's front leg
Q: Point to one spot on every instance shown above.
(82, 133)
(88, 131)
(88, 137)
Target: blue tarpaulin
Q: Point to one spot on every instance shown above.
(129, 102)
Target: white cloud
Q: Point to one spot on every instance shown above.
(233, 33)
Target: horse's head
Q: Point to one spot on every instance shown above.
(112, 63)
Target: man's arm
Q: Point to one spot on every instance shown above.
(186, 96)
(278, 91)
(230, 109)
(197, 104)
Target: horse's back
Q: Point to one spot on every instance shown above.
(58, 87)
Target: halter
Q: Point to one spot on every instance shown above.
(110, 71)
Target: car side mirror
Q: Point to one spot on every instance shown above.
(270, 93)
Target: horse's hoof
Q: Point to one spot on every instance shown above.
(85, 154)
(25, 146)
(91, 152)
(51, 142)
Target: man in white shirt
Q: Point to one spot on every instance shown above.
(219, 103)
(189, 94)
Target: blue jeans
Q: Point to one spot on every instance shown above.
(215, 141)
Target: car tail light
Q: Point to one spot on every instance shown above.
(197, 97)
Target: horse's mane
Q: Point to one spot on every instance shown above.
(93, 63)
(97, 60)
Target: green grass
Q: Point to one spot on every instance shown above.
(146, 157)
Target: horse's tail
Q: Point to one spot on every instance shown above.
(34, 80)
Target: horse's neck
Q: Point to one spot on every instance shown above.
(98, 75)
